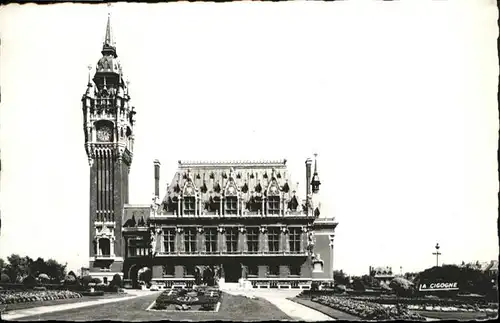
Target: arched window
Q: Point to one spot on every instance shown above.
(231, 205)
(104, 247)
(189, 205)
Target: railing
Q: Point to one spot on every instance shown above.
(232, 253)
(280, 282)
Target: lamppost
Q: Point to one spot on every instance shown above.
(437, 254)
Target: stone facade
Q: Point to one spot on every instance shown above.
(242, 219)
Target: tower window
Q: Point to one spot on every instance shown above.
(273, 205)
(231, 205)
(232, 240)
(169, 240)
(189, 205)
(253, 240)
(273, 236)
(190, 240)
(211, 240)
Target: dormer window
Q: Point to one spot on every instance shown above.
(244, 189)
(258, 188)
(231, 205)
(217, 188)
(212, 175)
(273, 205)
(238, 176)
(189, 205)
(252, 176)
(265, 175)
(278, 175)
(286, 188)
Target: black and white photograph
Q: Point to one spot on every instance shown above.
(249, 160)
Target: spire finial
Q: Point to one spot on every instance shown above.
(90, 69)
(107, 38)
(315, 163)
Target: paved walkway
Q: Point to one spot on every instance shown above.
(17, 314)
(279, 299)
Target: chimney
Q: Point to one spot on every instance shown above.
(308, 176)
(157, 178)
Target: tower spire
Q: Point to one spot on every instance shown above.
(315, 183)
(108, 45)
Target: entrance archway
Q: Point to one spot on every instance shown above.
(232, 271)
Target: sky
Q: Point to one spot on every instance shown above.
(398, 99)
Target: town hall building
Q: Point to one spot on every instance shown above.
(243, 219)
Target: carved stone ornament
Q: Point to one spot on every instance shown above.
(263, 229)
(200, 229)
(221, 229)
(304, 229)
(284, 229)
(273, 189)
(179, 230)
(242, 230)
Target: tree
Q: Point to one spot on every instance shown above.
(38, 267)
(370, 281)
(17, 268)
(2, 265)
(340, 277)
(55, 270)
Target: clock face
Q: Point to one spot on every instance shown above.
(104, 134)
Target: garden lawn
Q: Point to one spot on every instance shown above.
(333, 313)
(19, 306)
(233, 308)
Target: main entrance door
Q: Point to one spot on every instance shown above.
(232, 272)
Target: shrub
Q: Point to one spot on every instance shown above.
(117, 281)
(70, 280)
(401, 286)
(30, 281)
(4, 278)
(86, 280)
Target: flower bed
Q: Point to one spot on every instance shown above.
(198, 299)
(367, 310)
(456, 308)
(13, 297)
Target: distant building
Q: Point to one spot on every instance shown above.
(383, 274)
(489, 267)
(242, 219)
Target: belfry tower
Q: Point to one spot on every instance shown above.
(109, 140)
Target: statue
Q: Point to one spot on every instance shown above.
(152, 242)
